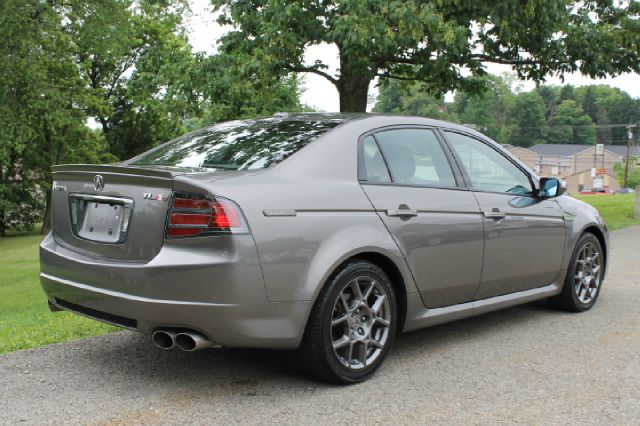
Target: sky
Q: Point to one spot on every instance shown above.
(322, 95)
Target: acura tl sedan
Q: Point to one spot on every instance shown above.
(325, 233)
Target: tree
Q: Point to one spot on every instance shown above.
(434, 41)
(527, 118)
(123, 63)
(401, 98)
(490, 110)
(41, 114)
(569, 124)
(634, 173)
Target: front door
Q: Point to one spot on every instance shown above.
(524, 235)
(407, 175)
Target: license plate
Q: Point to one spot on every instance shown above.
(104, 221)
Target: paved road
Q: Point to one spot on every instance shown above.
(528, 364)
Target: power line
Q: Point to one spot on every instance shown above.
(575, 126)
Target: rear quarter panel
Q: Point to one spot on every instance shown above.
(308, 215)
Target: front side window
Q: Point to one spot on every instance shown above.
(415, 157)
(239, 145)
(488, 169)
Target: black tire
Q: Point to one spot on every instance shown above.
(316, 351)
(569, 298)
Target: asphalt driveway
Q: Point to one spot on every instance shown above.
(529, 364)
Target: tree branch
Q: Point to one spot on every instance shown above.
(313, 71)
(519, 61)
(397, 77)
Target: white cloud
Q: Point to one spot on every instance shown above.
(321, 94)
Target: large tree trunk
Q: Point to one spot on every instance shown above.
(353, 93)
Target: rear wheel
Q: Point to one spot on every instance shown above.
(584, 276)
(352, 325)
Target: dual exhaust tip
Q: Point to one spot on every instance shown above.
(186, 340)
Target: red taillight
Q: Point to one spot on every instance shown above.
(193, 215)
(225, 215)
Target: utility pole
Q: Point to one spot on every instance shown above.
(630, 128)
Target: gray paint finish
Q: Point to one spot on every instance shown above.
(306, 216)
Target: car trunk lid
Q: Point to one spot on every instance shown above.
(112, 211)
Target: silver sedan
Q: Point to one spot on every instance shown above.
(324, 233)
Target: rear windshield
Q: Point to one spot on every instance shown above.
(238, 145)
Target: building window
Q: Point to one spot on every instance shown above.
(554, 170)
(536, 168)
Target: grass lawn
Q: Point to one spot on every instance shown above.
(25, 320)
(617, 210)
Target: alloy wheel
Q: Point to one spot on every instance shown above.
(360, 322)
(588, 273)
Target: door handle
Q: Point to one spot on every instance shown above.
(402, 211)
(495, 214)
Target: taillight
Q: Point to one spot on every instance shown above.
(196, 215)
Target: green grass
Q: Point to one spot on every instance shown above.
(25, 320)
(617, 210)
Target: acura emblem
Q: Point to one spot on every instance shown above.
(98, 183)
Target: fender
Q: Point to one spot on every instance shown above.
(338, 248)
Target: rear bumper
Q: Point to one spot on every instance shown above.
(230, 307)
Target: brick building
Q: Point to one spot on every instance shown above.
(580, 165)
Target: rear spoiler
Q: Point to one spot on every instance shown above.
(155, 171)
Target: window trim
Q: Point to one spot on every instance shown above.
(467, 178)
(451, 160)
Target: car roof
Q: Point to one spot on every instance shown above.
(376, 119)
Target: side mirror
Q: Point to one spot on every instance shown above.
(551, 187)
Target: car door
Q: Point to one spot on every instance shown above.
(524, 234)
(407, 174)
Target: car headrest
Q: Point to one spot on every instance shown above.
(401, 162)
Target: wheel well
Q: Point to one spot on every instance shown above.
(397, 281)
(600, 236)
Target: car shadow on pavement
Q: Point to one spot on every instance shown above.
(132, 357)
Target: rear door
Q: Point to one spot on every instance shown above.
(407, 175)
(524, 235)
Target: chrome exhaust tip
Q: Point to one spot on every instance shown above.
(191, 341)
(164, 339)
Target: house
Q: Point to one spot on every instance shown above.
(580, 165)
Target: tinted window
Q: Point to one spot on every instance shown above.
(375, 168)
(239, 145)
(488, 169)
(414, 156)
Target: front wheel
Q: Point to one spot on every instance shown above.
(352, 324)
(584, 276)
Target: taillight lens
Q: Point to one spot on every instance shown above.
(195, 215)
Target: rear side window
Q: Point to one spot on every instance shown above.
(238, 145)
(415, 157)
(375, 167)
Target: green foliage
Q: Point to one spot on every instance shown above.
(433, 41)
(528, 120)
(569, 124)
(400, 98)
(633, 178)
(25, 320)
(547, 114)
(489, 111)
(124, 64)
